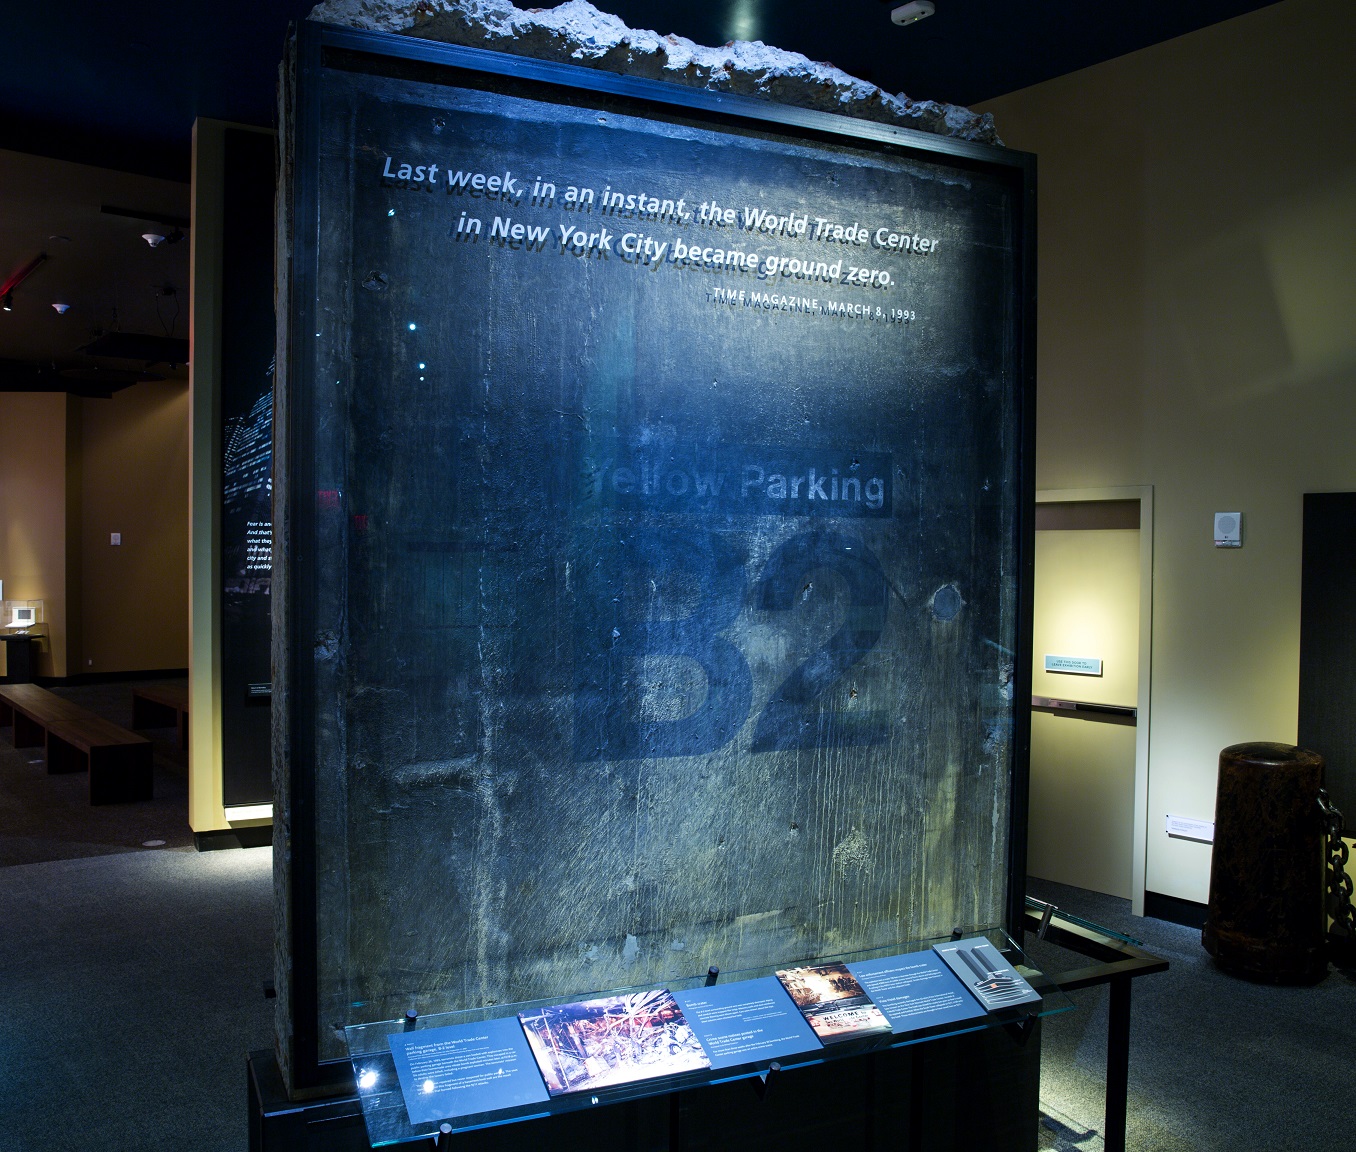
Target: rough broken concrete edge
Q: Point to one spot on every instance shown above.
(578, 33)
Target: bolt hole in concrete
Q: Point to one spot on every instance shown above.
(946, 602)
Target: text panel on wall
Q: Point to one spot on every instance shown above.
(246, 465)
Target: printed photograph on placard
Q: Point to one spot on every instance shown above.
(747, 1021)
(834, 1004)
(613, 1040)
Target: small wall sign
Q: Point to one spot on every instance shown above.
(1075, 665)
(1185, 828)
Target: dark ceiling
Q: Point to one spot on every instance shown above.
(118, 85)
(97, 103)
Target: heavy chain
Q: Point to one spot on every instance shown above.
(1342, 934)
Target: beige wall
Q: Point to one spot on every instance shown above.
(33, 512)
(72, 472)
(1197, 292)
(205, 791)
(134, 597)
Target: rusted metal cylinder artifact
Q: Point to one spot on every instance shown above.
(1266, 918)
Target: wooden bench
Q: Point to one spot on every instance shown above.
(119, 762)
(161, 706)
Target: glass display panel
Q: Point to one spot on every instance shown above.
(21, 615)
(664, 561)
(392, 1118)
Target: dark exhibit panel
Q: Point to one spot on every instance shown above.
(657, 538)
(247, 350)
(1327, 691)
(21, 658)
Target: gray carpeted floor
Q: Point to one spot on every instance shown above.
(46, 817)
(131, 988)
(131, 966)
(1216, 1063)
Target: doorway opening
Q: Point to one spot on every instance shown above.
(1092, 627)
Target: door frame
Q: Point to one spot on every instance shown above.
(1144, 493)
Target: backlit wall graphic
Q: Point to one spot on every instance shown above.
(246, 413)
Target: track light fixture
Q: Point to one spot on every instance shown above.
(155, 239)
(912, 13)
(7, 303)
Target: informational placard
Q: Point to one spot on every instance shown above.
(992, 981)
(464, 1070)
(747, 1022)
(1190, 828)
(1074, 665)
(916, 991)
(656, 502)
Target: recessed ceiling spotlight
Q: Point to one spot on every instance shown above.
(912, 13)
(61, 309)
(154, 239)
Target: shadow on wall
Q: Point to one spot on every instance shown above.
(1268, 308)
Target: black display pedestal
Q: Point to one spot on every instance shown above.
(21, 658)
(979, 1090)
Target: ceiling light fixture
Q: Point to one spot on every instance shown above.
(61, 309)
(8, 302)
(912, 13)
(165, 229)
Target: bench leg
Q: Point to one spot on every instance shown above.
(6, 714)
(120, 774)
(63, 757)
(27, 734)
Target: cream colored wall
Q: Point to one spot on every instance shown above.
(1082, 803)
(1081, 824)
(1087, 604)
(33, 512)
(72, 472)
(134, 597)
(205, 804)
(1197, 277)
